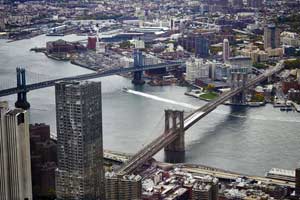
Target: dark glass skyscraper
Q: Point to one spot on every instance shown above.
(80, 172)
(201, 47)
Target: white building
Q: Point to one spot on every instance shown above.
(15, 166)
(126, 61)
(219, 71)
(196, 68)
(290, 39)
(138, 44)
(100, 47)
(151, 60)
(239, 61)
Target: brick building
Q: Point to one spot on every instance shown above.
(43, 161)
(61, 46)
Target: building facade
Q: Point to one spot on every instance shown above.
(128, 187)
(201, 47)
(297, 180)
(196, 43)
(80, 172)
(196, 68)
(61, 46)
(226, 50)
(15, 169)
(43, 152)
(92, 41)
(271, 37)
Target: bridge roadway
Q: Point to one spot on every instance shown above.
(166, 138)
(51, 83)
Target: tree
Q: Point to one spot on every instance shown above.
(259, 65)
(292, 64)
(215, 49)
(125, 45)
(210, 87)
(257, 97)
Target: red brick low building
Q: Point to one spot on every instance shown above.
(287, 85)
(61, 46)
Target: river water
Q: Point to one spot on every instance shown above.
(246, 140)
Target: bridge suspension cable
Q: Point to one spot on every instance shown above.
(158, 128)
(9, 80)
(33, 77)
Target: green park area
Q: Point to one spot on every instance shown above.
(209, 96)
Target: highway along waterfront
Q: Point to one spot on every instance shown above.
(246, 140)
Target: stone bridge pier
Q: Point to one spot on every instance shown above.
(174, 122)
(239, 78)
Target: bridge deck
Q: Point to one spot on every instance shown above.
(51, 83)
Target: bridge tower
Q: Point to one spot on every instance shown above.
(174, 122)
(21, 84)
(138, 61)
(239, 78)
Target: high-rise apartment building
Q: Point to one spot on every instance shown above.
(15, 169)
(128, 187)
(297, 180)
(271, 37)
(80, 173)
(226, 50)
(197, 43)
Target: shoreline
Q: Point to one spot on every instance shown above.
(248, 104)
(218, 172)
(74, 62)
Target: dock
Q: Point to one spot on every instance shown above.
(201, 169)
(116, 156)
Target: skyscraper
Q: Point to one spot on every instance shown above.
(297, 180)
(201, 47)
(226, 50)
(15, 169)
(43, 151)
(271, 37)
(80, 172)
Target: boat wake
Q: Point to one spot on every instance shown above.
(149, 96)
(190, 106)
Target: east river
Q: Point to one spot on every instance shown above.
(246, 140)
